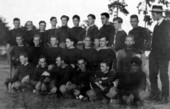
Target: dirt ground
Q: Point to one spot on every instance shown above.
(29, 100)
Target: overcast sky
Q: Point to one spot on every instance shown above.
(37, 10)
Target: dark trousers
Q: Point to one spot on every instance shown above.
(159, 65)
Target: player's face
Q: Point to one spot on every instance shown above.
(155, 16)
(103, 67)
(58, 62)
(76, 22)
(23, 60)
(53, 22)
(87, 42)
(90, 20)
(64, 21)
(19, 40)
(53, 41)
(16, 24)
(29, 25)
(134, 68)
(42, 26)
(103, 42)
(81, 64)
(134, 22)
(42, 62)
(129, 41)
(116, 24)
(36, 41)
(69, 43)
(104, 20)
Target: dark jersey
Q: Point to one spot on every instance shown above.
(91, 57)
(78, 33)
(72, 54)
(51, 54)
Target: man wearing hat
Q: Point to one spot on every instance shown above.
(159, 56)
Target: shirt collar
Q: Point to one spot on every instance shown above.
(92, 25)
(160, 21)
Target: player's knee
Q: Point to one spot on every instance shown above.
(91, 93)
(63, 89)
(53, 90)
(112, 92)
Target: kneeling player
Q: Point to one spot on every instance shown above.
(41, 78)
(63, 75)
(81, 79)
(102, 82)
(22, 78)
(131, 85)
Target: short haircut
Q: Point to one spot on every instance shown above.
(92, 16)
(41, 57)
(19, 35)
(82, 58)
(52, 18)
(72, 39)
(53, 36)
(130, 36)
(24, 54)
(106, 37)
(118, 19)
(136, 60)
(29, 21)
(16, 19)
(105, 14)
(64, 16)
(77, 17)
(134, 16)
(64, 58)
(42, 21)
(37, 35)
(87, 36)
(107, 62)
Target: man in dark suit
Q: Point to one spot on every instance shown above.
(159, 56)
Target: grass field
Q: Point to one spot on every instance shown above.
(29, 100)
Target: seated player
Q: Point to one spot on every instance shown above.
(102, 83)
(63, 75)
(37, 50)
(71, 52)
(23, 75)
(105, 53)
(132, 84)
(41, 78)
(52, 52)
(89, 53)
(81, 79)
(16, 51)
